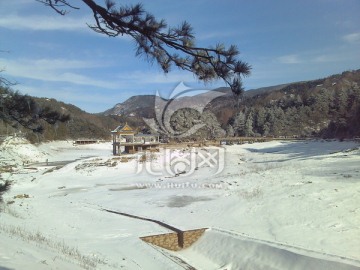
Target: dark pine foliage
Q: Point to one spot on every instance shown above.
(19, 110)
(166, 46)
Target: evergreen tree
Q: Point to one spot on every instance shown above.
(230, 131)
(278, 123)
(239, 124)
(249, 124)
(212, 125)
(260, 120)
(266, 129)
(166, 46)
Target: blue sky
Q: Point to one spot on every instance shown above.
(55, 56)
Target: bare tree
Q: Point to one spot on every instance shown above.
(167, 46)
(3, 81)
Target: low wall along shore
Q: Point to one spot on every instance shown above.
(175, 241)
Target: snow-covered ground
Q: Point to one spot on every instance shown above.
(274, 205)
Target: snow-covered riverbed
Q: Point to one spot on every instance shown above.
(272, 205)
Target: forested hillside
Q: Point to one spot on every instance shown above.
(81, 123)
(327, 107)
(40, 119)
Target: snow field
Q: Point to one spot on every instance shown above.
(301, 197)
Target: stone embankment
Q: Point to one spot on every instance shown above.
(176, 240)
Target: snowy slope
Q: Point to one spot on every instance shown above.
(302, 197)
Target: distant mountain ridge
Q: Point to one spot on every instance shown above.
(143, 105)
(140, 104)
(327, 107)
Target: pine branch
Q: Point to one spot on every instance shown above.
(167, 46)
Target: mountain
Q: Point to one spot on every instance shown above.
(328, 107)
(143, 105)
(134, 109)
(80, 125)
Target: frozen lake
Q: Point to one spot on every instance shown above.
(274, 205)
